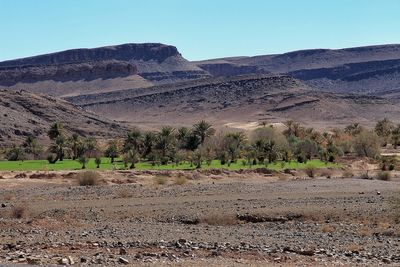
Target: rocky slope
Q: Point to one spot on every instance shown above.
(243, 100)
(126, 66)
(23, 113)
(372, 70)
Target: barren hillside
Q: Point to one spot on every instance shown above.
(371, 70)
(242, 100)
(23, 113)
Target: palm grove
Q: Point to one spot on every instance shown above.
(201, 144)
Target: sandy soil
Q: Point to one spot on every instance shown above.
(212, 219)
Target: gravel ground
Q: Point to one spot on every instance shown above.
(252, 221)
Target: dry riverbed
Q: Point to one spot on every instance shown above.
(205, 218)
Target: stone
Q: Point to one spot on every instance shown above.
(63, 261)
(123, 260)
(33, 260)
(122, 251)
(71, 260)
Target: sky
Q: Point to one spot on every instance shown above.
(200, 29)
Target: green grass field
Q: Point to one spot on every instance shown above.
(43, 165)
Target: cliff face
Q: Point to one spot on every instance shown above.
(67, 72)
(127, 66)
(125, 52)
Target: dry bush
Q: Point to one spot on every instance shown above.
(9, 196)
(180, 180)
(365, 176)
(347, 174)
(160, 180)
(219, 219)
(396, 208)
(88, 178)
(124, 193)
(365, 231)
(353, 247)
(310, 171)
(383, 176)
(328, 229)
(17, 212)
(327, 173)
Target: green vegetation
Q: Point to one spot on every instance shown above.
(68, 164)
(200, 146)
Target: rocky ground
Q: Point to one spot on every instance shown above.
(209, 218)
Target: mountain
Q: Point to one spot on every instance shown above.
(23, 113)
(83, 71)
(152, 84)
(371, 70)
(238, 102)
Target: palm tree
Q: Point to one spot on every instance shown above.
(234, 143)
(75, 143)
(90, 145)
(56, 130)
(133, 140)
(181, 137)
(166, 143)
(59, 147)
(149, 140)
(132, 158)
(31, 146)
(203, 130)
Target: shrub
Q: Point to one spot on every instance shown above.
(327, 174)
(365, 176)
(83, 161)
(15, 153)
(17, 212)
(88, 178)
(219, 219)
(160, 180)
(366, 144)
(51, 158)
(287, 171)
(383, 176)
(388, 163)
(347, 174)
(310, 171)
(327, 229)
(180, 180)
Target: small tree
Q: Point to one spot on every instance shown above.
(83, 161)
(396, 136)
(112, 151)
(366, 144)
(15, 153)
(32, 147)
(97, 160)
(133, 157)
(384, 129)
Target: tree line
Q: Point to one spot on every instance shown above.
(201, 143)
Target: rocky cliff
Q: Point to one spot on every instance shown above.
(127, 66)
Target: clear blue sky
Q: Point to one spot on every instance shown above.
(200, 29)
